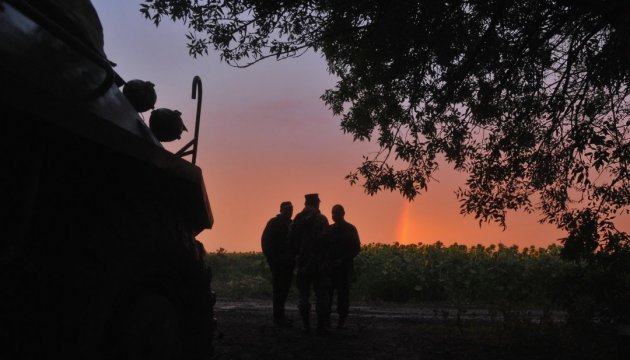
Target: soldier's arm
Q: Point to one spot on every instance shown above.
(267, 239)
(293, 238)
(325, 231)
(355, 242)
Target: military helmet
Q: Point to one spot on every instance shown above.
(166, 124)
(141, 94)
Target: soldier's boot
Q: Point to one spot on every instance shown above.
(279, 319)
(322, 325)
(342, 321)
(306, 321)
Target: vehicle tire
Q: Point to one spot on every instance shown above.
(147, 328)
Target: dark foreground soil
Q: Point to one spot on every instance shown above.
(245, 331)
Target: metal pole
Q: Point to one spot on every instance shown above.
(196, 94)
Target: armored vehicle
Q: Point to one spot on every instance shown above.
(98, 257)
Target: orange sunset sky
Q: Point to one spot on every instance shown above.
(266, 137)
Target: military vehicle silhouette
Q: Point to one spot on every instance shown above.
(98, 257)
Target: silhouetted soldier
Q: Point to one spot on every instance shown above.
(344, 247)
(280, 257)
(308, 234)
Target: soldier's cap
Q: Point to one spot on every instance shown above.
(311, 199)
(286, 205)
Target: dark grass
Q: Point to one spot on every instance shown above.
(249, 334)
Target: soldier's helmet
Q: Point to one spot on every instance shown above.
(311, 199)
(141, 94)
(166, 124)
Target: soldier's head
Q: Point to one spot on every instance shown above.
(286, 209)
(312, 200)
(338, 213)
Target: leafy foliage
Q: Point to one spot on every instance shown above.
(495, 276)
(239, 275)
(508, 281)
(530, 98)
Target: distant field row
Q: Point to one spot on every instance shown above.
(502, 278)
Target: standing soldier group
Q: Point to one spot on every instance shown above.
(323, 256)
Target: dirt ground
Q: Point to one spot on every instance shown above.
(245, 331)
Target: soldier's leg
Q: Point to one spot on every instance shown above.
(275, 280)
(331, 293)
(343, 297)
(322, 305)
(285, 286)
(282, 275)
(304, 289)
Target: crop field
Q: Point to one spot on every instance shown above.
(505, 278)
(447, 301)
